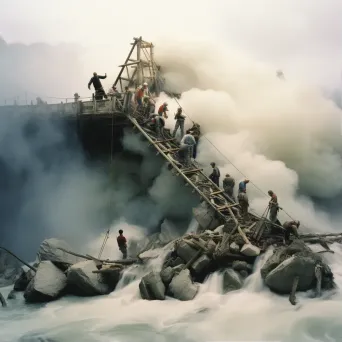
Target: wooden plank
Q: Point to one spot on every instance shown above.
(162, 141)
(191, 171)
(128, 64)
(216, 192)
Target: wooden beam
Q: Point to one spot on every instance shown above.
(216, 192)
(161, 141)
(128, 64)
(191, 171)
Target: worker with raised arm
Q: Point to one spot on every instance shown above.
(163, 109)
(180, 118)
(243, 198)
(95, 81)
(122, 243)
(273, 206)
(215, 175)
(228, 186)
(186, 147)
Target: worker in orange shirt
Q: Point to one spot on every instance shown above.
(163, 109)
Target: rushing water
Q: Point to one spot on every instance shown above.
(251, 314)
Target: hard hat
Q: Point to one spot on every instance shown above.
(145, 84)
(165, 103)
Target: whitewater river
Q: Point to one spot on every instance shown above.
(251, 314)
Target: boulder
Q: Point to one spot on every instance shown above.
(12, 295)
(234, 248)
(205, 216)
(231, 281)
(278, 256)
(250, 250)
(166, 275)
(242, 266)
(152, 287)
(201, 264)
(176, 262)
(47, 284)
(182, 287)
(86, 283)
(184, 251)
(49, 250)
(177, 269)
(24, 279)
(281, 278)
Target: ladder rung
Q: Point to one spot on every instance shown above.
(227, 206)
(216, 192)
(193, 170)
(171, 150)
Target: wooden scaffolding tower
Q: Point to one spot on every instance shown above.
(142, 68)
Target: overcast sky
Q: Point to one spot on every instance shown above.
(299, 36)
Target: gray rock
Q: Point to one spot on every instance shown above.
(48, 250)
(182, 287)
(177, 269)
(278, 256)
(185, 252)
(24, 279)
(178, 261)
(280, 279)
(47, 284)
(242, 266)
(231, 281)
(152, 287)
(86, 283)
(201, 264)
(166, 275)
(205, 216)
(250, 250)
(244, 274)
(234, 248)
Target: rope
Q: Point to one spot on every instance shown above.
(262, 192)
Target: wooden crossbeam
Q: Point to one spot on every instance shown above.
(227, 206)
(193, 170)
(216, 192)
(171, 150)
(128, 64)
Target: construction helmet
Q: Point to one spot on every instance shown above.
(165, 103)
(145, 84)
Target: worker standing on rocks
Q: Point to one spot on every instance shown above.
(122, 243)
(215, 175)
(243, 198)
(95, 81)
(186, 147)
(163, 109)
(179, 122)
(228, 186)
(291, 227)
(273, 206)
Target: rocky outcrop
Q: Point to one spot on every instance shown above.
(84, 282)
(47, 284)
(296, 260)
(152, 287)
(182, 286)
(49, 250)
(206, 217)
